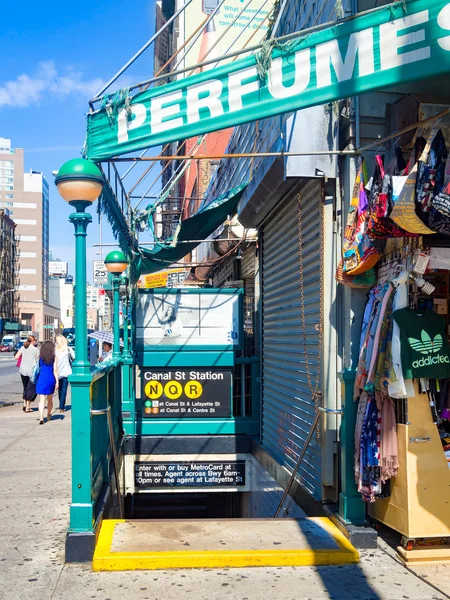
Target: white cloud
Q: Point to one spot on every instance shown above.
(47, 81)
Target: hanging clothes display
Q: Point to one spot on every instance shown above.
(401, 339)
(425, 351)
(398, 386)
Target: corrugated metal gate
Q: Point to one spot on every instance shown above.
(288, 407)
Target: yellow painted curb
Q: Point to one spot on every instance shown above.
(105, 560)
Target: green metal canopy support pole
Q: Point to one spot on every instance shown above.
(81, 509)
(128, 408)
(116, 309)
(352, 509)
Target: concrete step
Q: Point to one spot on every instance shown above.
(210, 543)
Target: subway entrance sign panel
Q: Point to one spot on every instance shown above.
(186, 393)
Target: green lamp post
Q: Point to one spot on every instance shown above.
(80, 182)
(116, 263)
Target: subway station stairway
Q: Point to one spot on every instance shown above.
(124, 545)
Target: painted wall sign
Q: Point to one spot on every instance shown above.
(401, 42)
(189, 474)
(186, 393)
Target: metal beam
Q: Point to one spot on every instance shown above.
(208, 241)
(99, 94)
(240, 155)
(283, 38)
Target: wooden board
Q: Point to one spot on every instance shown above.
(419, 505)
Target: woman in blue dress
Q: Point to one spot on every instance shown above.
(47, 381)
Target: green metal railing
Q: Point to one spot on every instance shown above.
(95, 460)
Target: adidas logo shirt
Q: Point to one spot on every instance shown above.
(425, 351)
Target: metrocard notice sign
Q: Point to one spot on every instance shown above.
(400, 42)
(186, 393)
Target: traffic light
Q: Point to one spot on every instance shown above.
(67, 313)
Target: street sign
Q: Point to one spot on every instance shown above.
(189, 474)
(186, 393)
(100, 272)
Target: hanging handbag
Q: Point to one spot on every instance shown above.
(359, 252)
(430, 174)
(439, 215)
(19, 360)
(380, 225)
(364, 281)
(404, 194)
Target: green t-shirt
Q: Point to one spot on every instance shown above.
(425, 351)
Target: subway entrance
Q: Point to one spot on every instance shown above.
(196, 505)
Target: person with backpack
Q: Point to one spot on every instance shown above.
(64, 356)
(26, 359)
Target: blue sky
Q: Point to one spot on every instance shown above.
(55, 56)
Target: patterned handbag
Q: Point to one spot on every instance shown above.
(430, 174)
(379, 225)
(439, 214)
(364, 281)
(404, 211)
(359, 252)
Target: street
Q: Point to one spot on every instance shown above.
(10, 382)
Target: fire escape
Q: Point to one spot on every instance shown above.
(9, 269)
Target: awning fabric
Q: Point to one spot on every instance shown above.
(198, 227)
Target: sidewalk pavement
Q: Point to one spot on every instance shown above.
(34, 513)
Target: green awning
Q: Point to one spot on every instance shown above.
(198, 227)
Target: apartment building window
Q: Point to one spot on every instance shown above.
(6, 175)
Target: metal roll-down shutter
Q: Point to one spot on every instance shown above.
(288, 406)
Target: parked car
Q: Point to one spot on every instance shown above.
(4, 348)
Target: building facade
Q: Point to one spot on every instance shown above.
(61, 297)
(308, 327)
(8, 273)
(26, 196)
(92, 318)
(98, 300)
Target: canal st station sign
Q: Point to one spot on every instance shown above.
(186, 393)
(400, 42)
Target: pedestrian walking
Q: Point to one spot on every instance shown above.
(64, 357)
(26, 359)
(47, 379)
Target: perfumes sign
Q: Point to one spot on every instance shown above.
(401, 42)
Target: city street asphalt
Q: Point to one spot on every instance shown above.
(10, 382)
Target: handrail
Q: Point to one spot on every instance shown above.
(320, 410)
(107, 411)
(101, 369)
